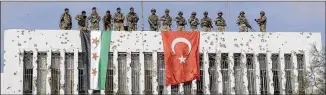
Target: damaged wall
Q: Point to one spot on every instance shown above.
(17, 40)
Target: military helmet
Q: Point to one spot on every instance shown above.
(108, 11)
(205, 13)
(83, 12)
(118, 8)
(167, 10)
(131, 8)
(220, 12)
(153, 10)
(262, 12)
(193, 13)
(242, 12)
(94, 8)
(66, 9)
(180, 13)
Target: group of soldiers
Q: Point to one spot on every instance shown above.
(156, 23)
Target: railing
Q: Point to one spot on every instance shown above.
(229, 64)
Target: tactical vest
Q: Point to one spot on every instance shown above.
(206, 21)
(82, 22)
(219, 21)
(167, 20)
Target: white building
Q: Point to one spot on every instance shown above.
(49, 62)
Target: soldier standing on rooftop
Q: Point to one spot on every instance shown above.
(262, 21)
(118, 20)
(107, 21)
(95, 19)
(82, 21)
(65, 20)
(167, 21)
(180, 21)
(193, 21)
(132, 20)
(206, 22)
(153, 21)
(220, 23)
(243, 22)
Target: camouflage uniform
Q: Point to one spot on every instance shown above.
(193, 21)
(107, 21)
(118, 21)
(242, 22)
(181, 22)
(262, 21)
(95, 19)
(65, 20)
(220, 23)
(82, 21)
(132, 19)
(167, 21)
(153, 21)
(206, 23)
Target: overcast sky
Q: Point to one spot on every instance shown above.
(282, 16)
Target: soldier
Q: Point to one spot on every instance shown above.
(243, 22)
(220, 23)
(82, 21)
(167, 21)
(181, 22)
(153, 21)
(132, 19)
(206, 22)
(107, 21)
(118, 20)
(65, 20)
(262, 21)
(95, 19)
(193, 21)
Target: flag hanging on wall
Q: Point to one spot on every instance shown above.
(181, 56)
(100, 47)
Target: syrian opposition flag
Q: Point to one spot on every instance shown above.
(99, 58)
(181, 57)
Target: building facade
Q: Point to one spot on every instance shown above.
(50, 62)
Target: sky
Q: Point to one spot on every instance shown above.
(281, 16)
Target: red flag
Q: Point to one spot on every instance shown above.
(181, 56)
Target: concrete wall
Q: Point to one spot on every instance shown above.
(18, 40)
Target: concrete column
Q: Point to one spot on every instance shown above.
(282, 72)
(75, 72)
(115, 71)
(154, 72)
(270, 87)
(34, 70)
(219, 74)
(48, 73)
(206, 74)
(181, 90)
(231, 73)
(128, 72)
(294, 79)
(243, 59)
(141, 72)
(257, 73)
(194, 86)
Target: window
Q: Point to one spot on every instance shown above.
(109, 76)
(69, 72)
(276, 76)
(212, 73)
(250, 74)
(135, 66)
(288, 73)
(225, 73)
(148, 73)
(55, 73)
(237, 73)
(41, 73)
(161, 72)
(263, 73)
(122, 75)
(82, 70)
(200, 83)
(28, 73)
(301, 73)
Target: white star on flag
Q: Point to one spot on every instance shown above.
(182, 59)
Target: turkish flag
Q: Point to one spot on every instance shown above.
(181, 56)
